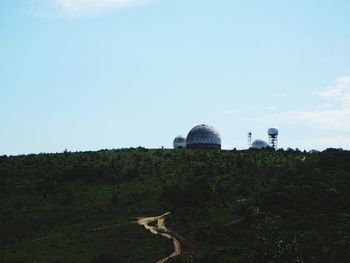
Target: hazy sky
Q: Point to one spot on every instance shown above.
(97, 74)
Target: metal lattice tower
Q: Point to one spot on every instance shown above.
(273, 137)
(249, 139)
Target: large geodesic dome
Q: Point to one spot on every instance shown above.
(179, 142)
(203, 137)
(260, 144)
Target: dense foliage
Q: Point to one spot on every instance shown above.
(229, 206)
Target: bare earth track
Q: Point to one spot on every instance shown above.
(160, 229)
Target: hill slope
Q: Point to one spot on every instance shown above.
(226, 206)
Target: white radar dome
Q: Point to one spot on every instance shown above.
(203, 136)
(260, 144)
(273, 131)
(179, 142)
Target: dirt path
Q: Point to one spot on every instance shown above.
(160, 229)
(157, 228)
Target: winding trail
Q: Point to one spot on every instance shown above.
(160, 229)
(156, 225)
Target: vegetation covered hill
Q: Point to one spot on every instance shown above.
(229, 206)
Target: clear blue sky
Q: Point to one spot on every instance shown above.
(89, 75)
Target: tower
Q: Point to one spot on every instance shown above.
(249, 139)
(273, 137)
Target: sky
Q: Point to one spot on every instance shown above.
(106, 74)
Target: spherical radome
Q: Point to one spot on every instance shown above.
(260, 144)
(273, 131)
(179, 142)
(203, 136)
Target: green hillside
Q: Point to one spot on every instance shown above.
(227, 206)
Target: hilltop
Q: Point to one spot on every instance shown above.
(226, 206)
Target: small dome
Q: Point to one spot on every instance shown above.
(273, 131)
(260, 144)
(179, 142)
(203, 136)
